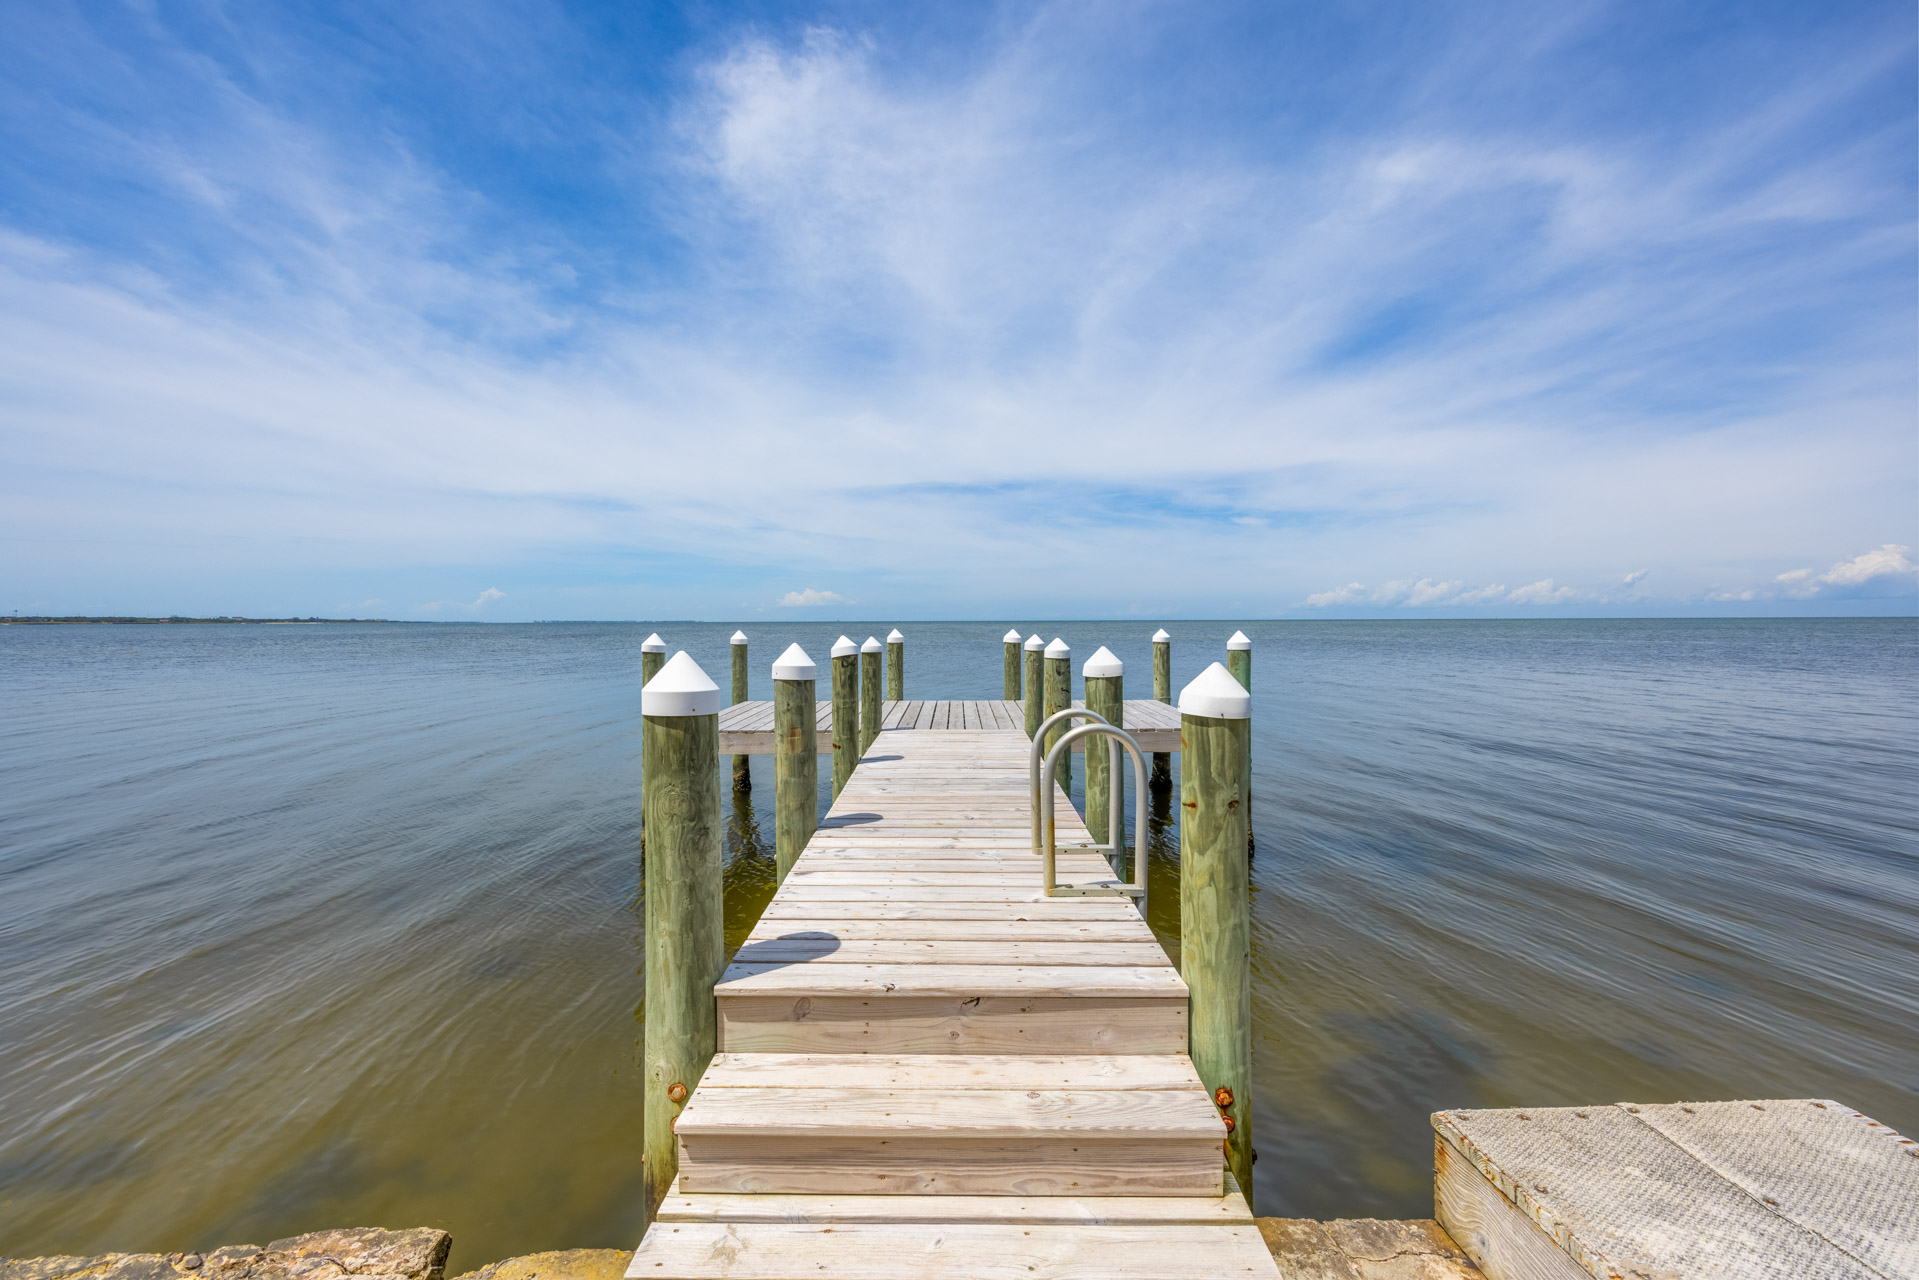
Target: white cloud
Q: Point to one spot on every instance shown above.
(1636, 577)
(491, 593)
(1479, 595)
(1351, 593)
(1888, 561)
(1541, 592)
(808, 598)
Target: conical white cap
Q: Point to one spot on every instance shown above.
(844, 647)
(872, 645)
(1160, 636)
(1059, 649)
(1215, 693)
(680, 689)
(1239, 641)
(894, 637)
(795, 665)
(1104, 662)
(1035, 642)
(1011, 637)
(653, 644)
(739, 637)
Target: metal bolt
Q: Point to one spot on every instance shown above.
(1539, 1187)
(1770, 1200)
(676, 1092)
(1222, 1097)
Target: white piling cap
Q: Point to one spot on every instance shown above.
(1011, 637)
(1215, 693)
(1034, 642)
(653, 644)
(1160, 636)
(795, 665)
(844, 648)
(739, 637)
(1104, 662)
(872, 645)
(1059, 649)
(894, 637)
(1239, 641)
(680, 689)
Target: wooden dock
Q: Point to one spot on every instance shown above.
(928, 1068)
(746, 728)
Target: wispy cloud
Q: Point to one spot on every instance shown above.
(1887, 565)
(809, 598)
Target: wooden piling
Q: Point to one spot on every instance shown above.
(796, 761)
(1059, 696)
(652, 657)
(742, 771)
(1162, 692)
(1035, 702)
(1239, 661)
(895, 666)
(1215, 734)
(1010, 683)
(870, 691)
(846, 711)
(1105, 679)
(685, 903)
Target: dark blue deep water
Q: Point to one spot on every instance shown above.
(321, 926)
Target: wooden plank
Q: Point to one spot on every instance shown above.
(949, 1251)
(1167, 1115)
(954, 1071)
(1088, 931)
(1091, 910)
(787, 950)
(1496, 1234)
(951, 1024)
(885, 982)
(951, 1162)
(1229, 1209)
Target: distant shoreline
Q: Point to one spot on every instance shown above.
(161, 622)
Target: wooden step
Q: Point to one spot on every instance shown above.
(951, 1008)
(1229, 1209)
(948, 1251)
(961, 1125)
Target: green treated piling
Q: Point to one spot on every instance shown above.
(1035, 651)
(1105, 678)
(1059, 696)
(652, 657)
(1239, 661)
(895, 666)
(846, 712)
(796, 761)
(1215, 733)
(870, 691)
(1010, 682)
(1162, 692)
(742, 772)
(685, 903)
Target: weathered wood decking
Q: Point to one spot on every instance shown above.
(927, 1068)
(746, 728)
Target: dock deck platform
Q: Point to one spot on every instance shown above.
(928, 1068)
(746, 728)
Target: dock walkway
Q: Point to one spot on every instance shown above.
(928, 1068)
(746, 728)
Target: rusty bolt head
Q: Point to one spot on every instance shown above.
(676, 1092)
(1222, 1097)
(1229, 1123)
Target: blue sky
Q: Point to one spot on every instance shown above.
(529, 310)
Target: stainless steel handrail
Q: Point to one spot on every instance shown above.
(1119, 737)
(1032, 760)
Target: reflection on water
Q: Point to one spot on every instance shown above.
(312, 927)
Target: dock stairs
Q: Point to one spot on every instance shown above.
(928, 1068)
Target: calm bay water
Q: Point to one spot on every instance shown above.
(322, 926)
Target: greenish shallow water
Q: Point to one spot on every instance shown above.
(311, 927)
